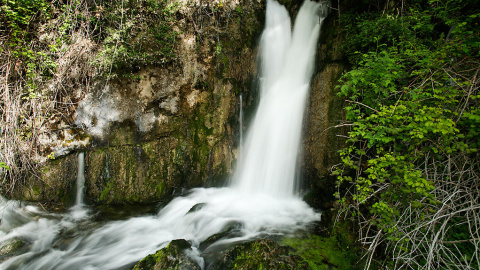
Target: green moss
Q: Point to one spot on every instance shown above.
(170, 257)
(179, 152)
(159, 189)
(324, 252)
(148, 262)
(259, 254)
(67, 197)
(133, 198)
(106, 192)
(11, 247)
(36, 190)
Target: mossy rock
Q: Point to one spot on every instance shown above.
(12, 248)
(259, 254)
(171, 257)
(325, 252)
(131, 174)
(57, 182)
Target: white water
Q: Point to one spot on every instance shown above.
(80, 179)
(79, 211)
(261, 198)
(271, 149)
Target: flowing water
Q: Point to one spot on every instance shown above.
(80, 179)
(271, 148)
(79, 211)
(261, 200)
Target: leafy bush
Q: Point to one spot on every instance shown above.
(139, 34)
(409, 172)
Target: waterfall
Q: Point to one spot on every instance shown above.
(80, 179)
(261, 199)
(79, 211)
(268, 163)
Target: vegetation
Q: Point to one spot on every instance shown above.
(174, 256)
(137, 34)
(324, 252)
(51, 55)
(409, 175)
(258, 254)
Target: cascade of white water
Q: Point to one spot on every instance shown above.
(80, 178)
(79, 211)
(270, 153)
(261, 198)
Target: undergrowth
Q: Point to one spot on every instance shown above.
(409, 175)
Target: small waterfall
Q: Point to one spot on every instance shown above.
(80, 179)
(79, 211)
(261, 199)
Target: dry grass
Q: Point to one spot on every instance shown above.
(23, 119)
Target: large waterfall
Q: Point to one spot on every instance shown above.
(271, 149)
(261, 198)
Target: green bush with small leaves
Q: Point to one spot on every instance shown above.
(412, 103)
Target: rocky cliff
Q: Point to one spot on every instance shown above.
(163, 125)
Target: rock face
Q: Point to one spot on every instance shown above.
(165, 127)
(323, 134)
(57, 182)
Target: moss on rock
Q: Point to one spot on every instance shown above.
(171, 257)
(258, 254)
(131, 173)
(11, 248)
(55, 185)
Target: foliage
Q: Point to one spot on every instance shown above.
(19, 14)
(138, 34)
(412, 155)
(20, 19)
(43, 48)
(323, 252)
(4, 165)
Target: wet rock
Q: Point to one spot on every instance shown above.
(232, 229)
(196, 207)
(324, 134)
(57, 183)
(11, 248)
(174, 256)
